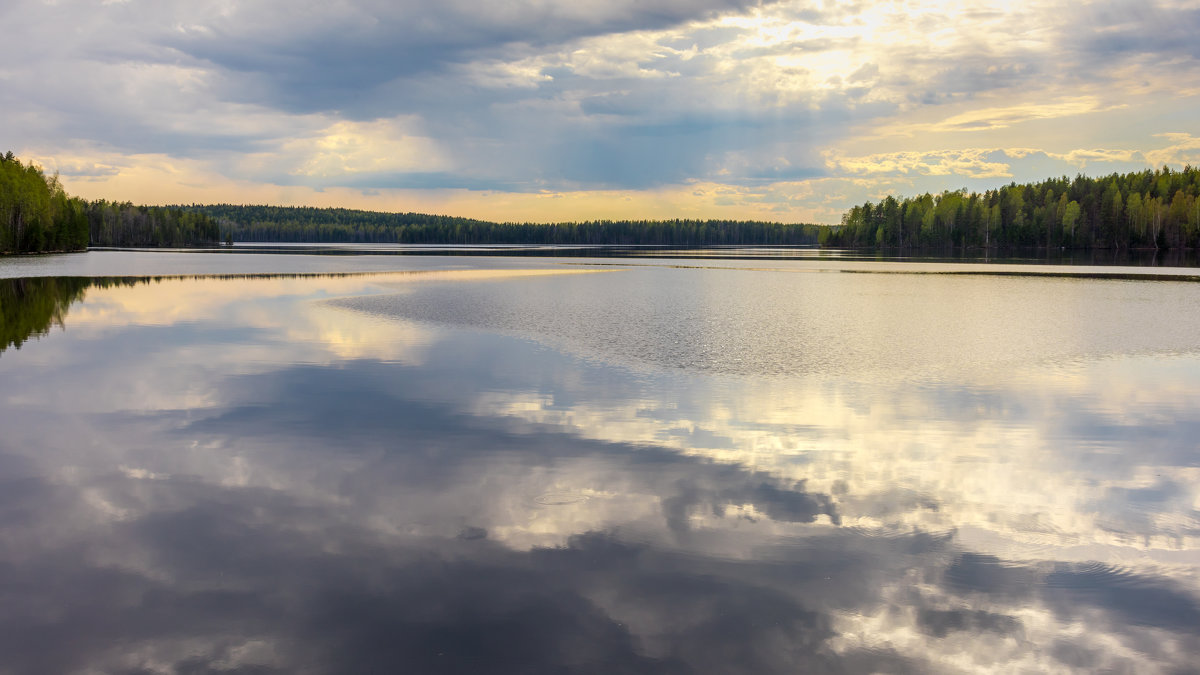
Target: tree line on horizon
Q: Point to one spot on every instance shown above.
(37, 216)
(1151, 209)
(1156, 209)
(255, 223)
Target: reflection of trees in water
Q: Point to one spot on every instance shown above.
(29, 307)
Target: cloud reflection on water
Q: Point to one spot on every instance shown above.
(341, 492)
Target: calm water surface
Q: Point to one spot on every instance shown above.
(580, 465)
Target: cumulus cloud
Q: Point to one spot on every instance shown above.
(973, 162)
(978, 168)
(1184, 149)
(346, 148)
(550, 95)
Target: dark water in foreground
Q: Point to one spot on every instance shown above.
(516, 465)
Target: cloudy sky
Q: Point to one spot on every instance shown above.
(573, 109)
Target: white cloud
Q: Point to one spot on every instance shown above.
(347, 148)
(574, 97)
(971, 162)
(1184, 149)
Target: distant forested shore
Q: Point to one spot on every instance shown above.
(1146, 209)
(1151, 209)
(1142, 210)
(307, 224)
(38, 216)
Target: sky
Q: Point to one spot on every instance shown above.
(550, 110)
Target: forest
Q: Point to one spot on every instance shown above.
(1146, 209)
(38, 216)
(306, 224)
(1151, 209)
(35, 212)
(127, 225)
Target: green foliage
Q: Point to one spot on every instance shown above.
(30, 307)
(37, 215)
(1146, 209)
(127, 225)
(306, 224)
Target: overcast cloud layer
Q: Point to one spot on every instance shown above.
(556, 109)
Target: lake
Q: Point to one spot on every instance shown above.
(724, 463)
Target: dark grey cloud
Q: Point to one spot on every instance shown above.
(183, 79)
(1123, 28)
(319, 58)
(377, 60)
(974, 75)
(416, 180)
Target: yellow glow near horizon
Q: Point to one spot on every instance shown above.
(891, 88)
(160, 179)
